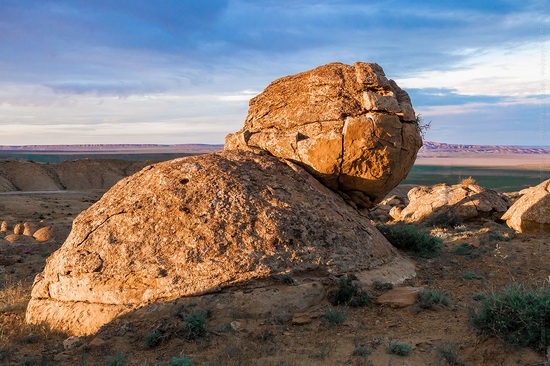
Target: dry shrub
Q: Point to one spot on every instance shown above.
(467, 182)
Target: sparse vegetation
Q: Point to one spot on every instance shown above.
(494, 237)
(447, 218)
(465, 182)
(27, 361)
(334, 316)
(432, 299)
(448, 352)
(117, 360)
(412, 239)
(361, 351)
(194, 324)
(180, 361)
(349, 293)
(152, 339)
(421, 126)
(463, 249)
(517, 315)
(472, 275)
(382, 286)
(399, 348)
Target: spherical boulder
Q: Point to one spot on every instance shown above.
(350, 126)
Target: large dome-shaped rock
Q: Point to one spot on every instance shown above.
(350, 126)
(461, 202)
(196, 224)
(531, 212)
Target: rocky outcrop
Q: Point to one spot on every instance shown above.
(20, 175)
(195, 225)
(460, 202)
(531, 212)
(350, 126)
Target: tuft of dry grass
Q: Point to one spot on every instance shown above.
(465, 182)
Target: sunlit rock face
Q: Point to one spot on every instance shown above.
(198, 224)
(350, 126)
(531, 212)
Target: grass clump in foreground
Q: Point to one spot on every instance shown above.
(432, 299)
(334, 316)
(349, 293)
(412, 239)
(180, 361)
(517, 315)
(118, 360)
(398, 348)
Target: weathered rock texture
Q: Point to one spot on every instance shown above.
(466, 202)
(193, 225)
(350, 126)
(531, 213)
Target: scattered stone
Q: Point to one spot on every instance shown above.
(400, 297)
(72, 343)
(350, 126)
(531, 212)
(5, 226)
(29, 229)
(190, 225)
(238, 325)
(55, 233)
(20, 239)
(441, 204)
(18, 229)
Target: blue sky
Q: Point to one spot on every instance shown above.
(144, 71)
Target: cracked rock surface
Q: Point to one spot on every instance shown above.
(196, 225)
(468, 202)
(531, 213)
(350, 126)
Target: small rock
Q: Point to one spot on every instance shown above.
(238, 325)
(399, 297)
(5, 226)
(71, 343)
(18, 229)
(97, 342)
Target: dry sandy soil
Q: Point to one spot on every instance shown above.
(512, 259)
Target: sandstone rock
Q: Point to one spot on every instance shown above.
(441, 201)
(72, 343)
(5, 226)
(56, 233)
(29, 228)
(400, 297)
(350, 126)
(18, 229)
(193, 225)
(531, 212)
(20, 239)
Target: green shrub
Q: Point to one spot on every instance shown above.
(194, 324)
(180, 361)
(152, 339)
(361, 351)
(411, 239)
(517, 315)
(334, 316)
(27, 361)
(432, 299)
(381, 286)
(448, 353)
(118, 360)
(463, 249)
(492, 237)
(349, 293)
(478, 296)
(398, 348)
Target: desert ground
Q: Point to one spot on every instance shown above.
(476, 258)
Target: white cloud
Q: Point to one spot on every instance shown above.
(514, 71)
